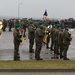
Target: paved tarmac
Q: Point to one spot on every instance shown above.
(37, 73)
(7, 48)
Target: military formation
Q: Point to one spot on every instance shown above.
(53, 34)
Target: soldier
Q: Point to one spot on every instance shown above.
(4, 25)
(10, 24)
(31, 36)
(56, 46)
(52, 37)
(39, 34)
(17, 36)
(60, 41)
(66, 42)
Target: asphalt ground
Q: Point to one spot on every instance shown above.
(37, 73)
(7, 53)
(7, 48)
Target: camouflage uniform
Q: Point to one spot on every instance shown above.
(31, 36)
(56, 46)
(52, 37)
(17, 36)
(66, 42)
(60, 37)
(39, 34)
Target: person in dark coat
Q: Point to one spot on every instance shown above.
(4, 25)
(10, 24)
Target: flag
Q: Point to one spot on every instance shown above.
(45, 13)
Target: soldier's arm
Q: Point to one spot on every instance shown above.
(16, 37)
(67, 37)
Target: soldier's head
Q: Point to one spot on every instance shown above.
(17, 26)
(61, 28)
(41, 24)
(58, 26)
(66, 27)
(62, 22)
(32, 24)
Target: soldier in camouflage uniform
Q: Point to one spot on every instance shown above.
(31, 36)
(66, 42)
(17, 36)
(52, 37)
(60, 41)
(39, 34)
(56, 46)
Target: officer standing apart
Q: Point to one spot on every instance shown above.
(17, 36)
(39, 34)
(31, 36)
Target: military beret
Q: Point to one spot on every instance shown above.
(47, 24)
(52, 23)
(66, 25)
(17, 25)
(62, 27)
(40, 23)
(57, 25)
(31, 22)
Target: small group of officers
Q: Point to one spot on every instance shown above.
(56, 33)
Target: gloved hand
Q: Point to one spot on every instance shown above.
(20, 36)
(20, 40)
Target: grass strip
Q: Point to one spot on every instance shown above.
(33, 64)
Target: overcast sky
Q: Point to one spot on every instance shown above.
(36, 8)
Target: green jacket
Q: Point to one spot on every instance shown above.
(31, 32)
(67, 37)
(39, 34)
(60, 38)
(16, 35)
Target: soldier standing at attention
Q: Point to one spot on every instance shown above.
(60, 37)
(17, 36)
(56, 43)
(31, 36)
(66, 42)
(39, 34)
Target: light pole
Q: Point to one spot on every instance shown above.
(19, 9)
